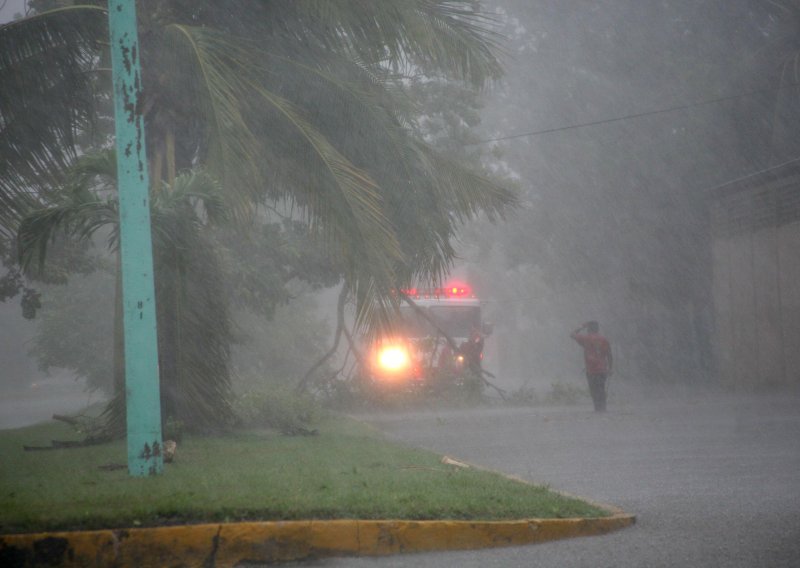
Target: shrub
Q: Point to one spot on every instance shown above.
(278, 407)
(523, 396)
(565, 393)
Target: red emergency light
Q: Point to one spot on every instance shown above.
(457, 290)
(452, 290)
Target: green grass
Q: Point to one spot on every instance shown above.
(347, 471)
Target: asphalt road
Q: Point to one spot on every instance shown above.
(714, 480)
(43, 398)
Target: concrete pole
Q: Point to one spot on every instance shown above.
(136, 250)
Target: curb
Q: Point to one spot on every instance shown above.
(225, 545)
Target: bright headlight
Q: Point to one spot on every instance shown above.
(393, 358)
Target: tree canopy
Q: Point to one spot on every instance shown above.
(298, 102)
(298, 107)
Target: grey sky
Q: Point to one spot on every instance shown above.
(10, 7)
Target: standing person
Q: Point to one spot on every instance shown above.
(472, 350)
(597, 356)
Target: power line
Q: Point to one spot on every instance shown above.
(637, 115)
(662, 111)
(753, 174)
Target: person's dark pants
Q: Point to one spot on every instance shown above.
(597, 388)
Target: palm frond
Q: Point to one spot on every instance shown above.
(202, 69)
(194, 326)
(95, 167)
(339, 196)
(201, 190)
(193, 317)
(46, 99)
(78, 215)
(341, 123)
(310, 113)
(451, 38)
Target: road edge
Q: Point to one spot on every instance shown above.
(227, 544)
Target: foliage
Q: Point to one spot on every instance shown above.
(194, 323)
(75, 328)
(173, 429)
(295, 102)
(46, 101)
(194, 328)
(285, 104)
(523, 396)
(277, 407)
(446, 116)
(68, 258)
(614, 223)
(276, 352)
(264, 263)
(565, 393)
(347, 471)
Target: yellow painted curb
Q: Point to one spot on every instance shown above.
(223, 545)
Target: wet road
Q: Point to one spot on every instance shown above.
(38, 402)
(713, 480)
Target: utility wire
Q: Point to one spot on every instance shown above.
(640, 115)
(663, 111)
(518, 300)
(753, 174)
(637, 115)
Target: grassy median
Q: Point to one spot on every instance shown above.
(346, 471)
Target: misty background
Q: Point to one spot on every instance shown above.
(614, 224)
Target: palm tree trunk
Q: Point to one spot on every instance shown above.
(114, 413)
(340, 328)
(170, 151)
(119, 332)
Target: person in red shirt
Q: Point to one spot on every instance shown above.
(597, 356)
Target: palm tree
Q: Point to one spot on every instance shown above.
(192, 311)
(288, 102)
(297, 101)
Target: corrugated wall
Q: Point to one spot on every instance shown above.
(756, 284)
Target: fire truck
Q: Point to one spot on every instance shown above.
(437, 344)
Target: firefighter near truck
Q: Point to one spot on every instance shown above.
(436, 346)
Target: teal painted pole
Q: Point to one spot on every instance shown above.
(136, 249)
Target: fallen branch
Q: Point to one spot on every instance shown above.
(72, 421)
(67, 444)
(500, 391)
(112, 466)
(424, 468)
(301, 386)
(450, 461)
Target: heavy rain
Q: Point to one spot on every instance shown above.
(420, 216)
